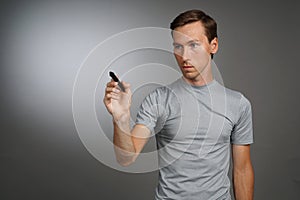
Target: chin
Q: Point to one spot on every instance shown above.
(191, 75)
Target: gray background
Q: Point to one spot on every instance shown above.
(43, 44)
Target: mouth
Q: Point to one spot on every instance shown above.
(187, 67)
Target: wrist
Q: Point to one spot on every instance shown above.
(122, 122)
(122, 118)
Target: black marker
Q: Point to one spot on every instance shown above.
(115, 78)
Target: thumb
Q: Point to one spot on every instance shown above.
(126, 86)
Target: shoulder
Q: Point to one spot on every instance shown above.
(240, 103)
(165, 91)
(235, 97)
(237, 102)
(238, 97)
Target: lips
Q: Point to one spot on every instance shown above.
(187, 67)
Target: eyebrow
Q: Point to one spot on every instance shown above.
(175, 44)
(189, 42)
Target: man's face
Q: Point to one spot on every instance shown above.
(193, 51)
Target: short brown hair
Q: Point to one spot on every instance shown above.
(191, 16)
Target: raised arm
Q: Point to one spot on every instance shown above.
(243, 175)
(127, 143)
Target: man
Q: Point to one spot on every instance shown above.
(198, 122)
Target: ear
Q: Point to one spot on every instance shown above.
(214, 45)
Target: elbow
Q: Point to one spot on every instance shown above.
(125, 162)
(125, 158)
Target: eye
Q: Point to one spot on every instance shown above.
(194, 45)
(177, 46)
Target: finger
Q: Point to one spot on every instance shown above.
(126, 86)
(112, 90)
(111, 95)
(111, 84)
(114, 96)
(107, 97)
(111, 87)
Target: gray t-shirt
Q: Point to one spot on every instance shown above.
(195, 127)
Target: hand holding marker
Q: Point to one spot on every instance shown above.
(115, 78)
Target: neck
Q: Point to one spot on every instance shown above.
(203, 78)
(200, 82)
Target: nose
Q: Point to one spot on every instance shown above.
(185, 54)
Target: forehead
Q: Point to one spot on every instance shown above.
(192, 31)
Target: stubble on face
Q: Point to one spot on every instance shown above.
(192, 53)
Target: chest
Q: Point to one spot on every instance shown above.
(196, 119)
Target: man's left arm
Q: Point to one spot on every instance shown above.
(243, 174)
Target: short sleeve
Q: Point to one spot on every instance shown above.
(150, 112)
(242, 132)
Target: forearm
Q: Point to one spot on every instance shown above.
(243, 183)
(123, 144)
